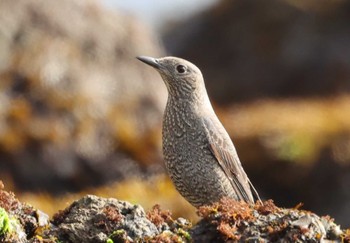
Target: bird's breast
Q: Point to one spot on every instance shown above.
(183, 139)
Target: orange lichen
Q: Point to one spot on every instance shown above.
(112, 214)
(228, 209)
(299, 205)
(158, 216)
(346, 238)
(228, 231)
(228, 215)
(8, 200)
(266, 207)
(166, 237)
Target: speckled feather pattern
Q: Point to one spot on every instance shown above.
(191, 165)
(199, 155)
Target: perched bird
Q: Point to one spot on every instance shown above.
(199, 155)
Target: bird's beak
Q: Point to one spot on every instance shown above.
(150, 61)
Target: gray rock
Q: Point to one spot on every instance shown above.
(95, 219)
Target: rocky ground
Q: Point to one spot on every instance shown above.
(108, 220)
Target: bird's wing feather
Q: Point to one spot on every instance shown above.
(223, 150)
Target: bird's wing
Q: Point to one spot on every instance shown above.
(223, 150)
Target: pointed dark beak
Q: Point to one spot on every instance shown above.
(150, 61)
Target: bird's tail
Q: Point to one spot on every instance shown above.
(254, 192)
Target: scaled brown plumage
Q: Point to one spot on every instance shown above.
(199, 155)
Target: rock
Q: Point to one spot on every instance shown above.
(229, 220)
(94, 219)
(22, 220)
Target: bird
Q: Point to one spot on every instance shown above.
(199, 155)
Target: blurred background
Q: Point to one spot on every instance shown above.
(79, 114)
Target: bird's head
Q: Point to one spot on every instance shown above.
(182, 78)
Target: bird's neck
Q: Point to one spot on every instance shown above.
(178, 104)
(199, 103)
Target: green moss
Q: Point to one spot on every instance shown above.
(186, 235)
(118, 234)
(5, 222)
(9, 225)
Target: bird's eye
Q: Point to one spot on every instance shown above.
(181, 69)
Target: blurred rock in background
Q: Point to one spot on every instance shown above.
(77, 108)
